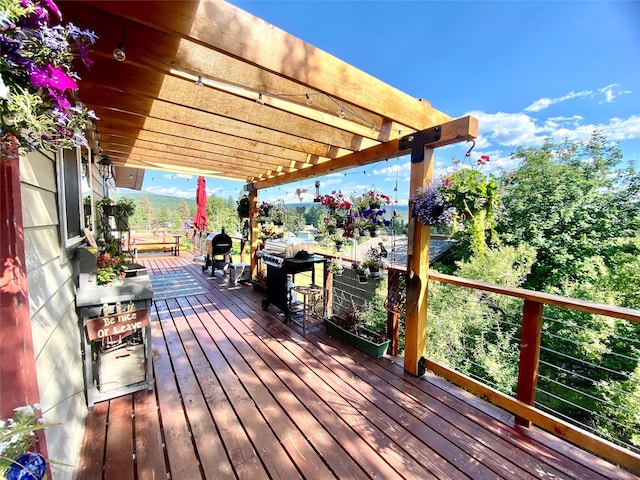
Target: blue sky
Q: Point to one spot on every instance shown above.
(526, 70)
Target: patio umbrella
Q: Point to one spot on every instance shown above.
(200, 220)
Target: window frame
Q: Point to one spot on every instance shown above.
(67, 194)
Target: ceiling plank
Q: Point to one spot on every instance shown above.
(231, 30)
(145, 48)
(173, 146)
(249, 149)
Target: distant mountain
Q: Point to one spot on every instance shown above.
(159, 201)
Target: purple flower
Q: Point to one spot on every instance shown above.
(431, 208)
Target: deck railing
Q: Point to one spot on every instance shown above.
(546, 378)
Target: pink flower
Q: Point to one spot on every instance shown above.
(51, 77)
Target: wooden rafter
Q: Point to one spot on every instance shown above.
(150, 102)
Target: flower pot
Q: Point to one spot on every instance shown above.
(374, 349)
(28, 466)
(338, 273)
(373, 232)
(374, 272)
(363, 278)
(339, 247)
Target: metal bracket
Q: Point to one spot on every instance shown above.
(422, 366)
(417, 141)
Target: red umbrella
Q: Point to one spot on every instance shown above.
(200, 220)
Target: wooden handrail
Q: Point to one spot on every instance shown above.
(541, 297)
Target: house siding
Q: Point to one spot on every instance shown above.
(54, 321)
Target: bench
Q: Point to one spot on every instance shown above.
(142, 244)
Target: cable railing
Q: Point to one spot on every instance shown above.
(575, 370)
(553, 370)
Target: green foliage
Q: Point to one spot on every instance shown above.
(221, 214)
(476, 332)
(570, 201)
(475, 198)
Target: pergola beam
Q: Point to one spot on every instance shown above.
(459, 130)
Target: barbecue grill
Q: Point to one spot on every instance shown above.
(218, 252)
(285, 257)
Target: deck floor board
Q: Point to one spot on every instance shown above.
(239, 394)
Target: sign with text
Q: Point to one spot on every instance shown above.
(124, 323)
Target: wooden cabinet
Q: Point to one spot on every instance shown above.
(116, 337)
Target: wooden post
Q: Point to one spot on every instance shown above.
(253, 226)
(531, 337)
(393, 316)
(328, 289)
(417, 271)
(18, 380)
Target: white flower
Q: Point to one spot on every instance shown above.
(4, 90)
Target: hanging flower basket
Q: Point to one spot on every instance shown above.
(264, 209)
(38, 107)
(371, 200)
(243, 207)
(374, 272)
(465, 200)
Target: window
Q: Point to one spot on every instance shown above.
(70, 206)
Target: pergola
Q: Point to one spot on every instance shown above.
(208, 89)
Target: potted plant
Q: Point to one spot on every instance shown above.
(371, 200)
(361, 271)
(264, 209)
(109, 269)
(348, 325)
(106, 206)
(87, 205)
(278, 215)
(124, 208)
(17, 438)
(243, 207)
(465, 200)
(374, 262)
(336, 267)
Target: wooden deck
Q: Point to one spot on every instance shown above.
(238, 394)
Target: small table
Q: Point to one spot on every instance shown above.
(311, 305)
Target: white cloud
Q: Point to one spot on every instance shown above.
(623, 129)
(545, 102)
(610, 92)
(170, 191)
(509, 129)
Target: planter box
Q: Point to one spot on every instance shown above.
(374, 349)
(258, 287)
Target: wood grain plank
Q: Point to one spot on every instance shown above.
(326, 407)
(95, 433)
(277, 416)
(267, 445)
(150, 454)
(183, 462)
(211, 451)
(119, 449)
(243, 456)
